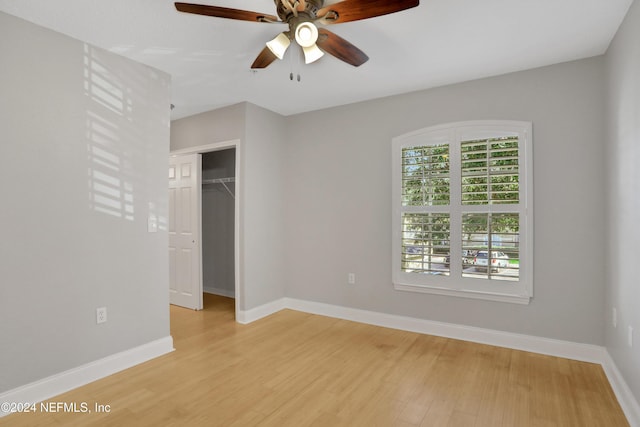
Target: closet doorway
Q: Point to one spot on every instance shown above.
(215, 231)
(218, 219)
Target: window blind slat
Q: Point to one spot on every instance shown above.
(425, 243)
(425, 175)
(490, 171)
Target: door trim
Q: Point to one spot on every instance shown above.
(237, 232)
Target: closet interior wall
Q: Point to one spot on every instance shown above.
(218, 205)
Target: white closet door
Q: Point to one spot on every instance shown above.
(185, 281)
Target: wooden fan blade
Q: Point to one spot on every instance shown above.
(335, 45)
(264, 59)
(225, 12)
(354, 10)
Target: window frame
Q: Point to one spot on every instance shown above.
(454, 284)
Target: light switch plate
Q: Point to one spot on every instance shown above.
(152, 224)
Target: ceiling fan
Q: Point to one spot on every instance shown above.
(303, 18)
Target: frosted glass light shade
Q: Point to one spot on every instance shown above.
(306, 34)
(312, 53)
(279, 45)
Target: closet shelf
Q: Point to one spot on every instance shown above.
(222, 181)
(218, 180)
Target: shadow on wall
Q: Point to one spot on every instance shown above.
(111, 148)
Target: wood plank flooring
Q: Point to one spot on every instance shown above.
(297, 369)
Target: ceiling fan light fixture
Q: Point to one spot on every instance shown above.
(279, 45)
(306, 34)
(312, 53)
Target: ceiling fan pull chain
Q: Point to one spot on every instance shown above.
(299, 62)
(294, 64)
(291, 66)
(291, 77)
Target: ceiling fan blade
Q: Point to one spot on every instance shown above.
(354, 10)
(264, 59)
(225, 12)
(340, 48)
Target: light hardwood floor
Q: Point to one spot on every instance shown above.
(297, 369)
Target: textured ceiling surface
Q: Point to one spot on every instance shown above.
(439, 42)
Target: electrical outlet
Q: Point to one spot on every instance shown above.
(101, 315)
(630, 337)
(351, 278)
(614, 318)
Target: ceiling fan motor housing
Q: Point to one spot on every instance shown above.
(311, 9)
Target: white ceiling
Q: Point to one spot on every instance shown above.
(439, 42)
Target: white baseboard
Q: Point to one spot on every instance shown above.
(551, 347)
(548, 346)
(248, 316)
(570, 350)
(54, 385)
(622, 391)
(218, 291)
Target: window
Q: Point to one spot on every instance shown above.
(462, 200)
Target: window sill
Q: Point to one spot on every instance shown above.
(489, 296)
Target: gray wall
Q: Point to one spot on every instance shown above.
(338, 194)
(218, 219)
(260, 186)
(224, 124)
(623, 196)
(85, 143)
(263, 206)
